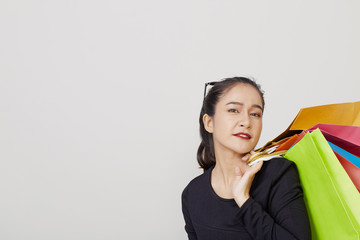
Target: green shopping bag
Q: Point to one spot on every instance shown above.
(332, 200)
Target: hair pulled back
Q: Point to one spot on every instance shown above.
(206, 153)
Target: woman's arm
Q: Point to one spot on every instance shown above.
(286, 216)
(188, 224)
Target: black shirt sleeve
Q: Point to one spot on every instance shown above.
(285, 216)
(188, 224)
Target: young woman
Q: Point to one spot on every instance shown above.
(232, 200)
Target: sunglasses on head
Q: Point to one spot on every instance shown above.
(208, 86)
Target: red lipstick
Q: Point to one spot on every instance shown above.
(242, 135)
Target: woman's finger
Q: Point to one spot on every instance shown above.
(256, 167)
(238, 172)
(247, 156)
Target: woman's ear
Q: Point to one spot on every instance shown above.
(208, 123)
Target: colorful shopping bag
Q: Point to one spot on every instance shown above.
(346, 137)
(344, 140)
(340, 113)
(352, 170)
(288, 143)
(349, 133)
(332, 200)
(345, 154)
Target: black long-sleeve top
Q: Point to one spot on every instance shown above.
(275, 209)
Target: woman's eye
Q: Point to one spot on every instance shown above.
(233, 110)
(255, 114)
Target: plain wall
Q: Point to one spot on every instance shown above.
(99, 101)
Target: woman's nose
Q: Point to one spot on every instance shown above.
(244, 120)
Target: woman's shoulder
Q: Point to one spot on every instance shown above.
(278, 166)
(198, 182)
(277, 162)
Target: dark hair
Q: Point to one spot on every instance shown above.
(205, 153)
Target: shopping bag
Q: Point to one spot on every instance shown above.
(346, 137)
(349, 162)
(345, 154)
(332, 200)
(352, 170)
(349, 133)
(288, 143)
(340, 113)
(270, 146)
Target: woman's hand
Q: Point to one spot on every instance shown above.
(247, 156)
(242, 184)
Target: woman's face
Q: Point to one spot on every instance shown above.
(237, 122)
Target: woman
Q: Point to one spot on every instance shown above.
(232, 200)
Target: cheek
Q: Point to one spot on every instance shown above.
(221, 122)
(259, 127)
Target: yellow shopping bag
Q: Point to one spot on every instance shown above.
(340, 113)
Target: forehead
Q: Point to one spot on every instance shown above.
(242, 92)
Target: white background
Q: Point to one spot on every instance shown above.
(99, 101)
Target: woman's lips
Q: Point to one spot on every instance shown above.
(242, 135)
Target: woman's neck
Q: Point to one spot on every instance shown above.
(224, 170)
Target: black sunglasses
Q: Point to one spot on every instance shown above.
(206, 86)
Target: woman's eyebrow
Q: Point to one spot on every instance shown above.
(241, 104)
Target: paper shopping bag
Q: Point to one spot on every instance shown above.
(346, 137)
(342, 134)
(332, 200)
(288, 143)
(345, 154)
(340, 113)
(350, 163)
(352, 170)
(349, 133)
